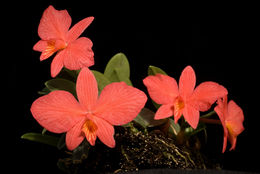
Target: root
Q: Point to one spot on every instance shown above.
(170, 156)
(186, 157)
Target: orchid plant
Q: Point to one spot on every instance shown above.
(79, 103)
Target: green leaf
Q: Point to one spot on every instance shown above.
(62, 141)
(122, 77)
(102, 80)
(61, 84)
(38, 137)
(153, 70)
(174, 128)
(189, 131)
(73, 73)
(146, 119)
(44, 91)
(68, 74)
(44, 131)
(118, 69)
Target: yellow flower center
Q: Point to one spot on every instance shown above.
(178, 106)
(89, 128)
(54, 45)
(230, 129)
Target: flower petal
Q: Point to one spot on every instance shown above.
(234, 128)
(54, 24)
(206, 94)
(87, 89)
(191, 115)
(40, 46)
(105, 132)
(79, 54)
(57, 111)
(78, 28)
(164, 111)
(233, 141)
(235, 113)
(119, 103)
(57, 63)
(224, 142)
(187, 82)
(75, 136)
(221, 109)
(162, 88)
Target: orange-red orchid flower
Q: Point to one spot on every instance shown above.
(74, 53)
(91, 116)
(231, 117)
(183, 100)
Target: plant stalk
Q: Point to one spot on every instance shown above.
(208, 114)
(210, 121)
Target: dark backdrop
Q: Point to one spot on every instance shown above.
(216, 42)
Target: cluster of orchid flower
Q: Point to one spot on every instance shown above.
(93, 109)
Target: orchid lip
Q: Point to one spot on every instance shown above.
(230, 129)
(89, 128)
(179, 104)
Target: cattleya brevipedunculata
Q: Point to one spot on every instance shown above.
(72, 52)
(91, 107)
(92, 116)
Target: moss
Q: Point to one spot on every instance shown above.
(135, 151)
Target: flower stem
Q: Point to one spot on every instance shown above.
(208, 114)
(210, 121)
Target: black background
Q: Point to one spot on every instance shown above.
(217, 40)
